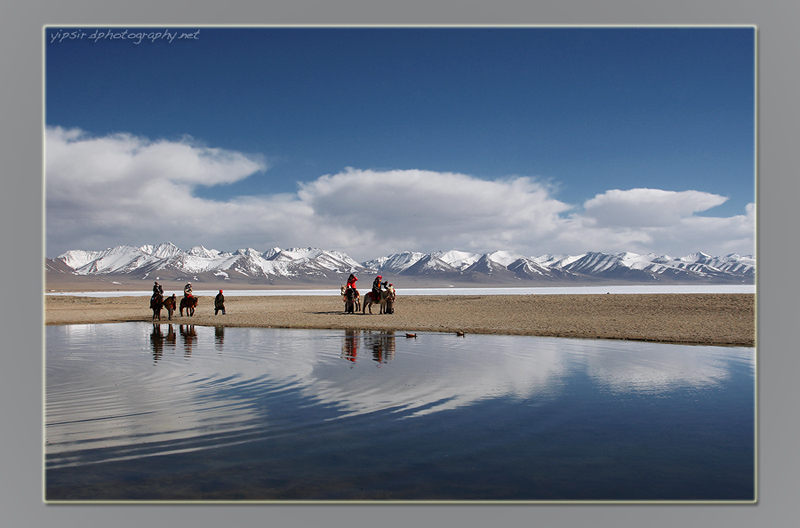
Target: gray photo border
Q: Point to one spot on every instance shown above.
(22, 225)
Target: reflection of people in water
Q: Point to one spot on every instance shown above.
(350, 345)
(219, 336)
(189, 335)
(157, 342)
(383, 347)
(171, 338)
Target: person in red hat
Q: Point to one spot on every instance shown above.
(219, 303)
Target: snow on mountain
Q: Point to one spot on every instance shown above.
(487, 264)
(314, 264)
(556, 261)
(120, 259)
(162, 251)
(529, 268)
(279, 254)
(459, 260)
(77, 258)
(504, 258)
(430, 265)
(203, 253)
(395, 263)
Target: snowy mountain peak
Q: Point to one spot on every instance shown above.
(165, 250)
(457, 259)
(504, 258)
(394, 263)
(202, 252)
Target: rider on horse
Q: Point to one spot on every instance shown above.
(351, 282)
(157, 290)
(376, 287)
(187, 290)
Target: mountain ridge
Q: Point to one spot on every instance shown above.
(315, 266)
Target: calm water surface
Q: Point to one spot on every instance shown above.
(136, 411)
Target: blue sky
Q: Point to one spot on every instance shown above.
(385, 139)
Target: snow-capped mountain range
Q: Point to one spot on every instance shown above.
(299, 266)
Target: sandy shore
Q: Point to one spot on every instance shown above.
(705, 319)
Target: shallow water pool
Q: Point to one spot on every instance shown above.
(142, 412)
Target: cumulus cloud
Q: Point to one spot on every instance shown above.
(654, 220)
(122, 189)
(644, 208)
(415, 209)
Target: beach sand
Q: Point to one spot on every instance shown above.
(700, 319)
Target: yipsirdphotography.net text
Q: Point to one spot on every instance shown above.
(56, 36)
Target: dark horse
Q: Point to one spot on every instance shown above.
(156, 303)
(351, 300)
(169, 305)
(189, 303)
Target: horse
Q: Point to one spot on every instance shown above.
(386, 296)
(156, 303)
(169, 304)
(352, 299)
(189, 303)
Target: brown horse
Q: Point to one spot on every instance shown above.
(190, 303)
(156, 303)
(387, 297)
(170, 305)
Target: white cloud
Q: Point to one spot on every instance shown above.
(121, 189)
(644, 208)
(654, 220)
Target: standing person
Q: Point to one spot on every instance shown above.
(219, 303)
(187, 290)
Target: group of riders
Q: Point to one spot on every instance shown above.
(378, 285)
(219, 300)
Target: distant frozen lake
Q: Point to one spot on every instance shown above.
(547, 290)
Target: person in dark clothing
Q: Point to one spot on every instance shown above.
(219, 303)
(157, 290)
(376, 288)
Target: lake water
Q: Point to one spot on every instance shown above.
(142, 412)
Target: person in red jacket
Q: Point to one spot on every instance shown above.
(351, 282)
